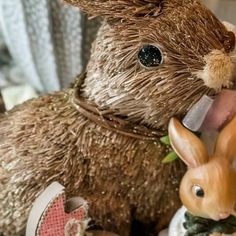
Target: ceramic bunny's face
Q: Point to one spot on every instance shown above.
(208, 189)
(154, 59)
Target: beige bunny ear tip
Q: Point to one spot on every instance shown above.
(174, 129)
(173, 124)
(172, 121)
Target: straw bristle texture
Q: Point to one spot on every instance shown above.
(47, 140)
(119, 8)
(152, 96)
(123, 178)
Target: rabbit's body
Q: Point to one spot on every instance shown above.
(117, 174)
(48, 139)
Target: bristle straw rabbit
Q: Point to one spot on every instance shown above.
(152, 60)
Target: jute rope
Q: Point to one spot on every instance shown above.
(106, 117)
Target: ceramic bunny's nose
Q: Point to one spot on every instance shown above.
(224, 215)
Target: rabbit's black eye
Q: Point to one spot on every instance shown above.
(150, 56)
(198, 191)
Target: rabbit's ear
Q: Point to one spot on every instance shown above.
(121, 9)
(226, 142)
(187, 146)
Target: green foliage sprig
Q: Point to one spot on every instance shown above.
(172, 155)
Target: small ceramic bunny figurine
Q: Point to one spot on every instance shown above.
(208, 189)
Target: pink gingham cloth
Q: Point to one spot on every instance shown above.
(53, 220)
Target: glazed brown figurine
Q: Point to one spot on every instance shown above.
(152, 60)
(208, 189)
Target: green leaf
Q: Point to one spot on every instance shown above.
(165, 140)
(172, 156)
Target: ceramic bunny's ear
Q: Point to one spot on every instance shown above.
(188, 146)
(121, 9)
(226, 142)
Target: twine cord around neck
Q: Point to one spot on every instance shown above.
(106, 118)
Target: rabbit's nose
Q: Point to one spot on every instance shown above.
(218, 71)
(224, 215)
(229, 42)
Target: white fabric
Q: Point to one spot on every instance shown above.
(176, 226)
(45, 40)
(15, 95)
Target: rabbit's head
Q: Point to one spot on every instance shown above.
(153, 59)
(208, 189)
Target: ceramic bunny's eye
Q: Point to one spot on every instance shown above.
(150, 56)
(198, 191)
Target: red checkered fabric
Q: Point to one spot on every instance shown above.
(54, 220)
